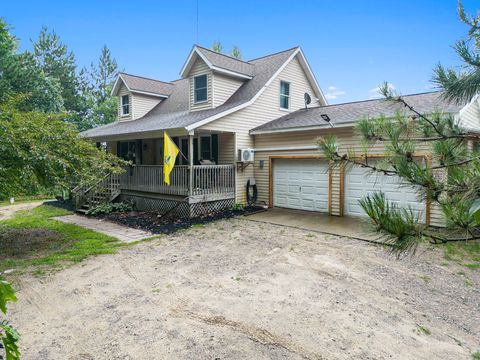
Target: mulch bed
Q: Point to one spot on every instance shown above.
(157, 224)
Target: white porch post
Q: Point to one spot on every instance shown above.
(190, 163)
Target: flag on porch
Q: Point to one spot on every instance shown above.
(170, 152)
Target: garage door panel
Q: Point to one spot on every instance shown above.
(360, 182)
(300, 184)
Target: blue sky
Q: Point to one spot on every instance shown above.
(352, 46)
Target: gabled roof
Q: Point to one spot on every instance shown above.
(173, 113)
(143, 85)
(348, 113)
(218, 62)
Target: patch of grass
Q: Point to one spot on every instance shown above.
(156, 290)
(71, 243)
(423, 330)
(476, 355)
(466, 253)
(310, 235)
(198, 226)
(468, 282)
(426, 279)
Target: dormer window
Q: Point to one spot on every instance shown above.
(200, 89)
(284, 95)
(125, 105)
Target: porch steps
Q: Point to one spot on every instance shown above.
(105, 191)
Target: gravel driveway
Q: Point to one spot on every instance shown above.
(237, 289)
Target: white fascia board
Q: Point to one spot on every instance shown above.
(302, 128)
(231, 73)
(251, 101)
(117, 85)
(191, 58)
(312, 78)
(149, 93)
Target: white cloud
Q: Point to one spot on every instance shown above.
(333, 92)
(375, 92)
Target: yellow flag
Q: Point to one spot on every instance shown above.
(170, 152)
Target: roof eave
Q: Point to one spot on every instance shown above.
(163, 96)
(301, 128)
(116, 85)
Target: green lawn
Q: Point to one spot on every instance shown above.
(33, 240)
(466, 253)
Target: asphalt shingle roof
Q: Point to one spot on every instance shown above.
(140, 83)
(227, 62)
(173, 112)
(353, 111)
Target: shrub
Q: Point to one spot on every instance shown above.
(109, 208)
(238, 207)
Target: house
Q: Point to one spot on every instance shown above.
(222, 105)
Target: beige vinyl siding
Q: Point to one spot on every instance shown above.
(264, 109)
(223, 88)
(348, 140)
(142, 104)
(226, 148)
(470, 115)
(200, 68)
(121, 92)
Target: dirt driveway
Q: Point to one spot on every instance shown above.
(238, 289)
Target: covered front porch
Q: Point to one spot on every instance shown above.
(203, 179)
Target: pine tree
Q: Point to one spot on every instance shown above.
(58, 63)
(217, 46)
(103, 75)
(236, 52)
(461, 86)
(20, 73)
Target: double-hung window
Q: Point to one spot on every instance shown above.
(200, 86)
(284, 95)
(125, 105)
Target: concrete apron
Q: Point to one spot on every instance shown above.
(352, 227)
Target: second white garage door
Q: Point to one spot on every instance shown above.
(359, 182)
(300, 184)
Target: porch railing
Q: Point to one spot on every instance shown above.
(207, 179)
(213, 179)
(149, 178)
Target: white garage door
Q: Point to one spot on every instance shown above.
(359, 182)
(300, 184)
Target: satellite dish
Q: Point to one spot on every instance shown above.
(307, 98)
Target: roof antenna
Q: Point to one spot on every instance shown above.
(197, 24)
(307, 99)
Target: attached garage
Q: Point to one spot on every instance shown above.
(300, 184)
(360, 182)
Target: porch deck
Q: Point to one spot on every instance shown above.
(208, 181)
(210, 185)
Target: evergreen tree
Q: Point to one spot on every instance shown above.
(236, 52)
(100, 79)
(461, 86)
(20, 73)
(59, 63)
(217, 46)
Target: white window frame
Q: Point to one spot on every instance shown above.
(284, 96)
(195, 101)
(122, 105)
